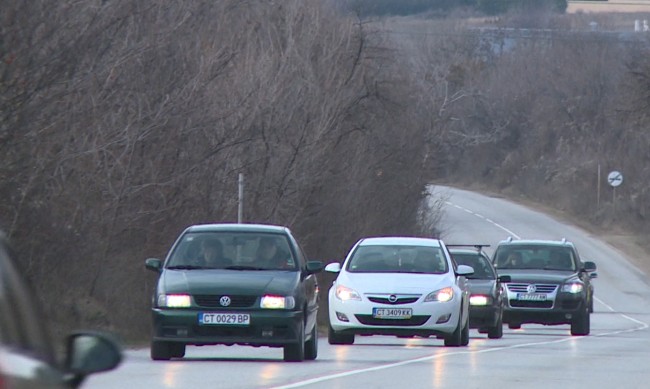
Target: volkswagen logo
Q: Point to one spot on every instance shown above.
(392, 298)
(224, 301)
(531, 288)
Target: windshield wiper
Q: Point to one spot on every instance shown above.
(185, 267)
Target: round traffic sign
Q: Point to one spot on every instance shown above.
(615, 178)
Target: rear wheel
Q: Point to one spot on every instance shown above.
(311, 346)
(160, 351)
(580, 324)
(496, 332)
(295, 352)
(334, 337)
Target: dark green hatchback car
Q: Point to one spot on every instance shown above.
(243, 284)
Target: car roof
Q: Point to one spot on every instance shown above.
(238, 227)
(399, 241)
(541, 242)
(454, 250)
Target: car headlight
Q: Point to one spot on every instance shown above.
(344, 293)
(573, 287)
(277, 302)
(442, 295)
(174, 300)
(479, 299)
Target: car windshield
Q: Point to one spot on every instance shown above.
(397, 259)
(482, 268)
(541, 257)
(233, 251)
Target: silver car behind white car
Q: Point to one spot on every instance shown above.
(399, 286)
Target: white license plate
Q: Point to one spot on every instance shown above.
(531, 296)
(227, 319)
(392, 313)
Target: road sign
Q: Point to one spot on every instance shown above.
(615, 178)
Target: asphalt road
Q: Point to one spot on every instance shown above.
(615, 355)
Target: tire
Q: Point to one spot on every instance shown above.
(177, 350)
(295, 352)
(464, 334)
(580, 324)
(334, 337)
(455, 338)
(591, 304)
(496, 332)
(311, 346)
(160, 351)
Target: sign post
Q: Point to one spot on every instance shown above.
(615, 178)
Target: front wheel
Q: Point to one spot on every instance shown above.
(496, 332)
(311, 346)
(334, 337)
(580, 325)
(295, 352)
(161, 351)
(455, 338)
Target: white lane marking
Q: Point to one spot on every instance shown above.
(324, 378)
(509, 232)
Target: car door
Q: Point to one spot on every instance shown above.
(309, 287)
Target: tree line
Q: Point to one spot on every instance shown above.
(125, 121)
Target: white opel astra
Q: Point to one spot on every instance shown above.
(400, 286)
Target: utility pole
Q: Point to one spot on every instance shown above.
(240, 211)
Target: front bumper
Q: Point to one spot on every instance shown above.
(481, 316)
(428, 319)
(560, 309)
(274, 328)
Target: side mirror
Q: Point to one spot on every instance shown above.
(589, 266)
(314, 266)
(90, 352)
(464, 270)
(333, 267)
(153, 264)
(504, 279)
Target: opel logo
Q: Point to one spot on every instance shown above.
(224, 301)
(531, 288)
(392, 298)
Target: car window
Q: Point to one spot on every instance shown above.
(480, 264)
(239, 250)
(540, 257)
(397, 259)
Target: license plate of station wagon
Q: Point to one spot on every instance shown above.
(531, 296)
(392, 313)
(232, 319)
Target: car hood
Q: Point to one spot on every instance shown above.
(538, 276)
(481, 286)
(394, 282)
(228, 281)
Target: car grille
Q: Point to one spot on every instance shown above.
(212, 301)
(413, 321)
(400, 300)
(539, 288)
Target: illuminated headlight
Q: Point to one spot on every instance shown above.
(442, 295)
(344, 293)
(174, 300)
(277, 302)
(478, 299)
(574, 287)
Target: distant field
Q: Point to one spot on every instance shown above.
(641, 6)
